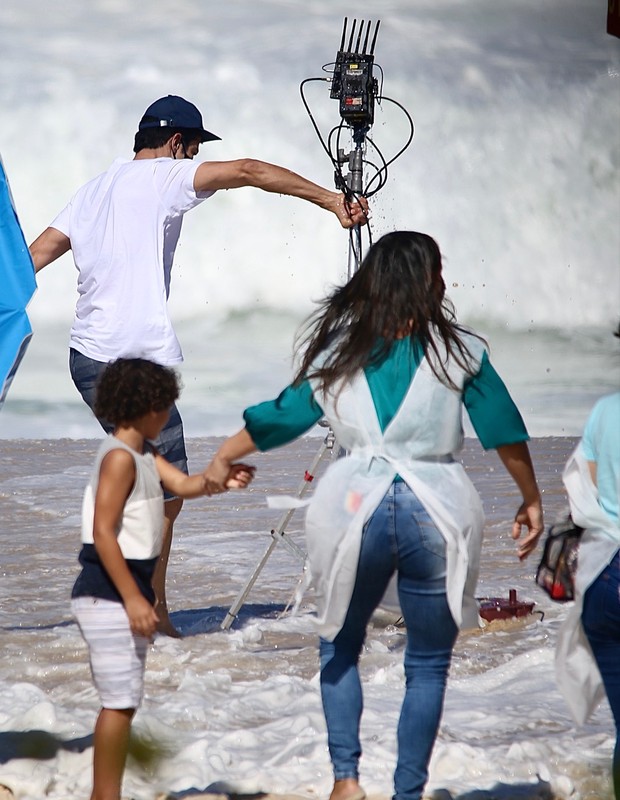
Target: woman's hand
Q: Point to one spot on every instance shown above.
(216, 475)
(530, 515)
(225, 471)
(516, 458)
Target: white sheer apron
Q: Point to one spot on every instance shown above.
(419, 445)
(576, 671)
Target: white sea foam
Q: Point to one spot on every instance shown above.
(240, 710)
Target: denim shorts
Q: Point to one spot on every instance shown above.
(170, 443)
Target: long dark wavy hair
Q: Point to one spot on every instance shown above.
(397, 290)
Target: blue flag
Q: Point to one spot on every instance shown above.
(17, 285)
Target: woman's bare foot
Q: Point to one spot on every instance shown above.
(347, 789)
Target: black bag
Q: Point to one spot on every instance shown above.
(556, 571)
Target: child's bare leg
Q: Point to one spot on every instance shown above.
(111, 745)
(171, 512)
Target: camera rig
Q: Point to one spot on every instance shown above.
(358, 91)
(353, 84)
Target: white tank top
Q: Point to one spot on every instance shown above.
(141, 529)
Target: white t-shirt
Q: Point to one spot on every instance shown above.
(124, 226)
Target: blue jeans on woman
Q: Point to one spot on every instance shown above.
(400, 536)
(601, 622)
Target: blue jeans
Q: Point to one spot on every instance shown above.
(170, 443)
(601, 622)
(399, 536)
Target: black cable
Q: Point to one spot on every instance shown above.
(380, 175)
(379, 171)
(339, 128)
(403, 148)
(307, 107)
(380, 68)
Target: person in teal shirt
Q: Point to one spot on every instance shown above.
(388, 366)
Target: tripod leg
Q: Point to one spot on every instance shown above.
(278, 535)
(240, 599)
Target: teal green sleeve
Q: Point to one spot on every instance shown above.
(277, 422)
(491, 409)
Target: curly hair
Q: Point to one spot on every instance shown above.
(398, 287)
(129, 388)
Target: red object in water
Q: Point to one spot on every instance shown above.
(491, 608)
(558, 591)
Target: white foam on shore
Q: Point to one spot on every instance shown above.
(241, 708)
(214, 719)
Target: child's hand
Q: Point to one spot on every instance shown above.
(142, 617)
(220, 476)
(240, 476)
(225, 472)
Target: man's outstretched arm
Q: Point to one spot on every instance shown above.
(49, 246)
(213, 175)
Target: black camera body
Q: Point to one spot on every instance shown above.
(353, 84)
(357, 89)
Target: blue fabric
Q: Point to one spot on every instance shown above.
(400, 536)
(170, 443)
(601, 622)
(492, 411)
(18, 285)
(273, 423)
(390, 378)
(601, 444)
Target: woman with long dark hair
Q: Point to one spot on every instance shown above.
(384, 360)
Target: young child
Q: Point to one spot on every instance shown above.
(122, 526)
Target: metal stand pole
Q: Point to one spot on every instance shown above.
(278, 534)
(355, 183)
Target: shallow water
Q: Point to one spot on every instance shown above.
(513, 169)
(239, 710)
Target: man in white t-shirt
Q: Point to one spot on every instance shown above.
(123, 228)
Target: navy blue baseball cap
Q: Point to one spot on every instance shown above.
(175, 112)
